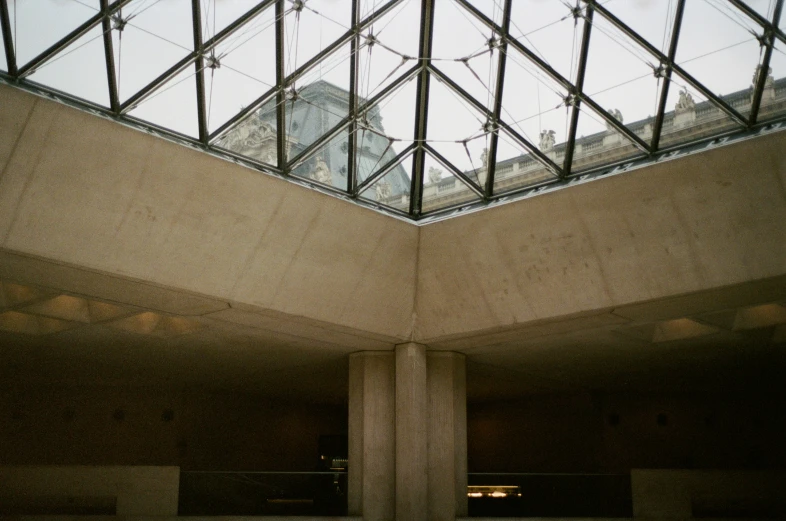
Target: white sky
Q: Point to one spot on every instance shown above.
(715, 47)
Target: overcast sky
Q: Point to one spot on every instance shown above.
(716, 47)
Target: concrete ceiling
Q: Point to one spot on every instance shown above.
(68, 338)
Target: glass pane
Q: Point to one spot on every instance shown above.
(455, 129)
(773, 100)
(3, 62)
(516, 167)
(241, 69)
(80, 69)
(598, 143)
(533, 105)
(393, 188)
(369, 7)
(173, 105)
(389, 48)
(441, 188)
(328, 166)
(308, 31)
(217, 14)
(462, 51)
(763, 7)
(149, 38)
(386, 129)
(38, 25)
(620, 78)
(690, 116)
(493, 9)
(318, 101)
(653, 21)
(550, 31)
(256, 136)
(717, 48)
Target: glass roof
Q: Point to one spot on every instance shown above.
(417, 108)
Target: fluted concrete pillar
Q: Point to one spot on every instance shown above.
(407, 435)
(372, 435)
(411, 433)
(447, 436)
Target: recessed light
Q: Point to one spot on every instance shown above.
(679, 329)
(765, 315)
(18, 322)
(149, 323)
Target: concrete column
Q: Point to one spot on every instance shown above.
(447, 436)
(411, 433)
(372, 435)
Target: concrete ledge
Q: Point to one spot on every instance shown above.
(134, 490)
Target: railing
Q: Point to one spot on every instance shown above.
(549, 495)
(208, 493)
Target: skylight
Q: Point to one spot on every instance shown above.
(417, 108)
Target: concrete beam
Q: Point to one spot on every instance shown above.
(86, 192)
(708, 221)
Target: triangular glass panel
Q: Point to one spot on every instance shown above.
(598, 143)
(493, 9)
(240, 70)
(318, 101)
(312, 29)
(385, 130)
(551, 30)
(255, 137)
(533, 105)
(620, 77)
(465, 50)
(719, 48)
(173, 106)
(38, 25)
(369, 7)
(455, 129)
(764, 7)
(147, 39)
(690, 116)
(653, 21)
(516, 167)
(393, 188)
(218, 14)
(3, 61)
(328, 165)
(388, 48)
(442, 188)
(773, 99)
(79, 70)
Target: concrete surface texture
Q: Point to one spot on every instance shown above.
(407, 434)
(372, 435)
(135, 491)
(84, 191)
(707, 221)
(682, 494)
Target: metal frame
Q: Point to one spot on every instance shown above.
(423, 71)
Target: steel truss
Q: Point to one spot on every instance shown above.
(422, 72)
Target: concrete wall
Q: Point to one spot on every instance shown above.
(710, 220)
(81, 190)
(681, 494)
(618, 432)
(135, 491)
(195, 430)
